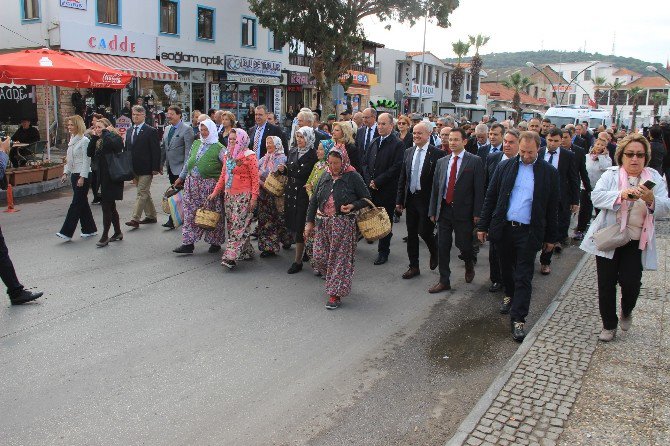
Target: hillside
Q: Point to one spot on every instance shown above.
(519, 59)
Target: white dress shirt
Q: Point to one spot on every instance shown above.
(554, 161)
(421, 153)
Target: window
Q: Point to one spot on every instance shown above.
(417, 74)
(399, 74)
(169, 17)
(109, 12)
(447, 80)
(573, 74)
(437, 79)
(585, 99)
(587, 75)
(248, 32)
(275, 44)
(206, 23)
(378, 71)
(572, 99)
(30, 10)
(428, 79)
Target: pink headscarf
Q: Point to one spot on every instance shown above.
(241, 144)
(341, 150)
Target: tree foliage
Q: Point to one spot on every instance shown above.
(331, 29)
(614, 88)
(634, 95)
(460, 49)
(477, 41)
(518, 83)
(599, 82)
(658, 99)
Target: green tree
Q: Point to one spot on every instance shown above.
(476, 63)
(658, 99)
(332, 32)
(518, 83)
(614, 88)
(598, 84)
(634, 96)
(460, 49)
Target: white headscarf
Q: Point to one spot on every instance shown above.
(213, 136)
(279, 146)
(308, 134)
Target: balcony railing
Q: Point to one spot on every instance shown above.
(363, 68)
(299, 59)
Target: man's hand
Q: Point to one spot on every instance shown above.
(574, 208)
(548, 247)
(178, 182)
(481, 236)
(475, 220)
(372, 185)
(399, 208)
(433, 219)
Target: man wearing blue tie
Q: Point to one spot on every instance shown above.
(368, 132)
(495, 144)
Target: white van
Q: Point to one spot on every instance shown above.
(561, 115)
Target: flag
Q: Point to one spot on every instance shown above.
(592, 103)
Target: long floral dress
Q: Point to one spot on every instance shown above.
(271, 227)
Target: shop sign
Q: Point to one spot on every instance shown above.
(359, 78)
(103, 40)
(74, 4)
(296, 78)
(294, 88)
(253, 80)
(277, 101)
(16, 102)
(428, 91)
(177, 57)
(215, 95)
(241, 64)
(123, 122)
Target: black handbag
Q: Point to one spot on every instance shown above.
(120, 166)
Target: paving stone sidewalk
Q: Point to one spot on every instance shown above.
(563, 387)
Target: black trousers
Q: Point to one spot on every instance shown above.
(585, 211)
(79, 210)
(495, 275)
(564, 215)
(450, 230)
(625, 268)
(95, 185)
(7, 272)
(517, 262)
(110, 216)
(384, 245)
(418, 224)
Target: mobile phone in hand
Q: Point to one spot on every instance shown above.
(649, 184)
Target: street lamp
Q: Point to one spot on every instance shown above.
(532, 65)
(653, 69)
(573, 79)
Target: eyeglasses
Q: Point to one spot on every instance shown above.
(634, 154)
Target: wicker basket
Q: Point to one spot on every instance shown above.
(206, 219)
(373, 222)
(165, 204)
(275, 184)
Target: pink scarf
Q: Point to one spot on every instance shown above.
(648, 226)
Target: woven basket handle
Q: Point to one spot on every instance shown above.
(372, 205)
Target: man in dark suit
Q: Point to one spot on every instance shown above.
(414, 189)
(142, 141)
(381, 170)
(568, 201)
(495, 144)
(367, 132)
(259, 132)
(455, 204)
(535, 125)
(510, 150)
(519, 216)
(580, 159)
(479, 139)
(575, 136)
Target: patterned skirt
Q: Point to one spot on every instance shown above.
(271, 229)
(196, 190)
(238, 220)
(334, 251)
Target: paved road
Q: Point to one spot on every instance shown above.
(135, 345)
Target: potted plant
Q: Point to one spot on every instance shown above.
(28, 174)
(52, 170)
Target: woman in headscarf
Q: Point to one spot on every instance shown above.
(322, 152)
(199, 176)
(343, 135)
(340, 191)
(299, 165)
(239, 179)
(271, 228)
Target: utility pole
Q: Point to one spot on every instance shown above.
(422, 73)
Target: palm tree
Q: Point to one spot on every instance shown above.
(461, 49)
(476, 65)
(634, 95)
(518, 83)
(658, 99)
(599, 82)
(614, 88)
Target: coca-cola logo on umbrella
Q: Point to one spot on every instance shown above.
(111, 78)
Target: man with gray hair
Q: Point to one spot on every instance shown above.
(368, 132)
(479, 140)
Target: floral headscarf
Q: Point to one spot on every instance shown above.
(234, 153)
(271, 161)
(308, 134)
(327, 144)
(346, 164)
(213, 137)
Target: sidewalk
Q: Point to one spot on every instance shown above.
(562, 387)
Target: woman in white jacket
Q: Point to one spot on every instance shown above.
(624, 200)
(78, 168)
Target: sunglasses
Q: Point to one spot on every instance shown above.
(634, 154)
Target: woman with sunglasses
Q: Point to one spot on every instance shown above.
(631, 195)
(405, 131)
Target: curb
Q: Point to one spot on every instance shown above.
(26, 190)
(477, 412)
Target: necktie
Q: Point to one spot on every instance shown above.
(551, 157)
(367, 139)
(257, 142)
(494, 149)
(452, 181)
(133, 135)
(414, 181)
(171, 134)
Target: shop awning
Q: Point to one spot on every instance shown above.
(138, 67)
(358, 90)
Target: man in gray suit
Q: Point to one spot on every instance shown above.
(455, 203)
(175, 147)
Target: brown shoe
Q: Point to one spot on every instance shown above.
(469, 271)
(411, 272)
(545, 270)
(434, 261)
(148, 220)
(439, 287)
(133, 224)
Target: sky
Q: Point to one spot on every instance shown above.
(520, 26)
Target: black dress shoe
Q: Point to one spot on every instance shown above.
(295, 268)
(24, 296)
(305, 257)
(102, 242)
(116, 237)
(214, 249)
(184, 249)
(506, 305)
(168, 224)
(404, 239)
(518, 331)
(266, 254)
(381, 259)
(495, 287)
(148, 221)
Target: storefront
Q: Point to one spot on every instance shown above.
(300, 91)
(358, 92)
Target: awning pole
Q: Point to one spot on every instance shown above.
(46, 111)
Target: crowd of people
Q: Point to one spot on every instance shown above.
(515, 186)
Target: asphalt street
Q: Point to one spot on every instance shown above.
(134, 345)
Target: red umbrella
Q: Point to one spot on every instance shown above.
(48, 67)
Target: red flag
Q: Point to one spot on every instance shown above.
(592, 103)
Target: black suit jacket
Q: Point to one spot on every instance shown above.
(581, 142)
(270, 130)
(471, 145)
(360, 139)
(146, 150)
(484, 151)
(382, 164)
(427, 172)
(544, 211)
(580, 160)
(492, 162)
(568, 176)
(468, 190)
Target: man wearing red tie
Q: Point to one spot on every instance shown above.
(455, 203)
